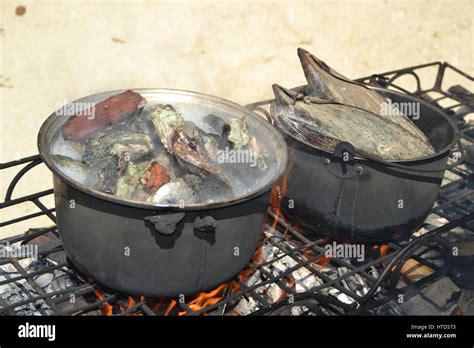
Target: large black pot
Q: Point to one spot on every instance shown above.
(367, 200)
(152, 250)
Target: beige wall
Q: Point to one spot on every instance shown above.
(57, 52)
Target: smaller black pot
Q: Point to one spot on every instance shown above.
(366, 200)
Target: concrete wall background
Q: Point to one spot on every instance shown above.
(58, 52)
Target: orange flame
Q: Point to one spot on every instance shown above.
(205, 299)
(107, 309)
(277, 195)
(384, 250)
(323, 261)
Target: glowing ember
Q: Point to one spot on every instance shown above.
(107, 309)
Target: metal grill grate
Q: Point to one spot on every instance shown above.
(340, 286)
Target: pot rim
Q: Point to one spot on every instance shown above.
(437, 154)
(281, 154)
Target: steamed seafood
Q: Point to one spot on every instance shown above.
(157, 155)
(166, 121)
(130, 184)
(324, 124)
(192, 147)
(334, 109)
(105, 113)
(175, 192)
(73, 168)
(187, 153)
(327, 84)
(156, 177)
(104, 175)
(104, 144)
(237, 132)
(208, 143)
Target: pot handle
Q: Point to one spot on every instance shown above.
(206, 224)
(352, 152)
(165, 224)
(258, 109)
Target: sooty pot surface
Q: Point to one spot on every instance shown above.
(366, 201)
(164, 249)
(126, 249)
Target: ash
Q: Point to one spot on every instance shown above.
(14, 290)
(300, 271)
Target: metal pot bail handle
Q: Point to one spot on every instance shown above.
(205, 224)
(165, 224)
(256, 107)
(400, 166)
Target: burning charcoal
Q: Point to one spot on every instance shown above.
(72, 168)
(283, 264)
(106, 143)
(305, 280)
(166, 121)
(174, 192)
(319, 123)
(273, 292)
(255, 278)
(327, 84)
(44, 279)
(354, 283)
(105, 113)
(341, 296)
(245, 307)
(237, 132)
(156, 177)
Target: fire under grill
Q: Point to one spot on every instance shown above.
(290, 273)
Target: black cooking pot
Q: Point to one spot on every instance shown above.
(367, 200)
(163, 250)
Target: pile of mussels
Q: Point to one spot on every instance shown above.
(156, 156)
